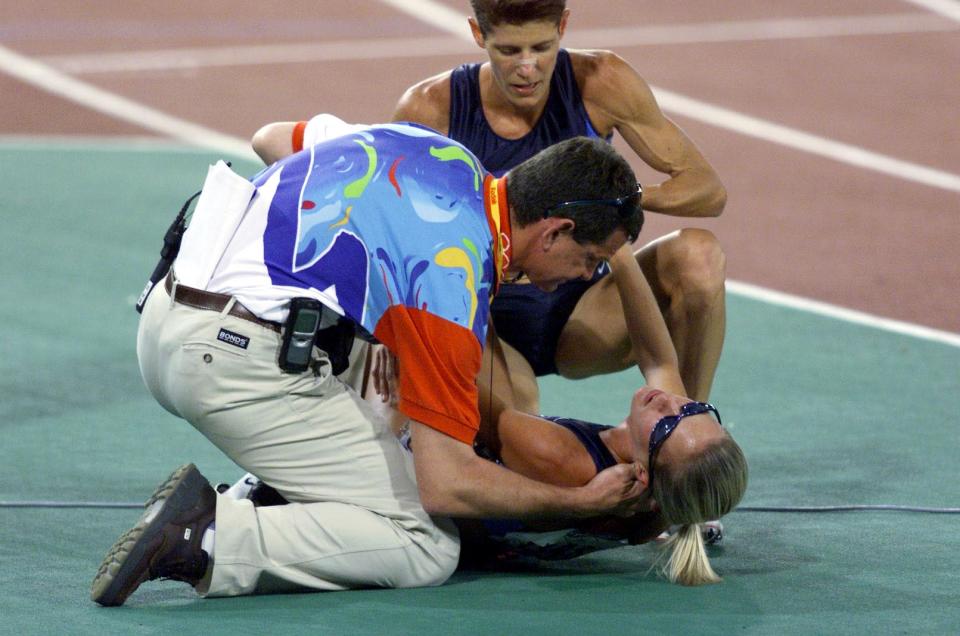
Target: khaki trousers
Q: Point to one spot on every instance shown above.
(355, 518)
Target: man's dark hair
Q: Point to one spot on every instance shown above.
(492, 13)
(573, 170)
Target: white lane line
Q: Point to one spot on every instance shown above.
(97, 143)
(258, 54)
(46, 78)
(808, 305)
(388, 48)
(946, 8)
(58, 83)
(23, 143)
(452, 22)
(436, 14)
(807, 142)
(753, 30)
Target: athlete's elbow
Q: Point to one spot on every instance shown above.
(717, 201)
(272, 142)
(439, 500)
(260, 143)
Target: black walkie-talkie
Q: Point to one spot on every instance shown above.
(170, 250)
(299, 332)
(171, 247)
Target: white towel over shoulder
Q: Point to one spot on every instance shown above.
(222, 205)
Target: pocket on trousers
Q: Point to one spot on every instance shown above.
(203, 359)
(202, 376)
(231, 350)
(308, 391)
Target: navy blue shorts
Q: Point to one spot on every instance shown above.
(530, 320)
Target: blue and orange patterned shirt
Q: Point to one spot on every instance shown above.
(394, 225)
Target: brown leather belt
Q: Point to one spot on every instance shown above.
(201, 299)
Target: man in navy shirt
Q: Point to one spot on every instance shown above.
(530, 94)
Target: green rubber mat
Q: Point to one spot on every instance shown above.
(829, 413)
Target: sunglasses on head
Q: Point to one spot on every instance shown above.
(666, 425)
(623, 205)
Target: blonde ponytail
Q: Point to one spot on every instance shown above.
(688, 563)
(691, 494)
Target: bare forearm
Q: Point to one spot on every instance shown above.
(694, 193)
(487, 490)
(648, 333)
(455, 482)
(615, 94)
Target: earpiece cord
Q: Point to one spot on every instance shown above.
(741, 509)
(850, 508)
(493, 346)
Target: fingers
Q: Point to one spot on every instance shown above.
(392, 377)
(633, 501)
(633, 497)
(376, 370)
(385, 370)
(629, 475)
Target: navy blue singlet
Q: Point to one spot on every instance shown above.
(528, 319)
(564, 117)
(588, 434)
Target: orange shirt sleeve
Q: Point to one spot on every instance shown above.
(298, 136)
(439, 362)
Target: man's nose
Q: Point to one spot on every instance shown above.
(527, 65)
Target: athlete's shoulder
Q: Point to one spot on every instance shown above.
(599, 69)
(611, 88)
(549, 450)
(427, 102)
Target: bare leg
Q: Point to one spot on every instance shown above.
(686, 270)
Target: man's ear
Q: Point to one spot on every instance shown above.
(477, 33)
(562, 27)
(555, 227)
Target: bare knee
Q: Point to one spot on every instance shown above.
(692, 268)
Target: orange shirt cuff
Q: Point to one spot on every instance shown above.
(442, 422)
(298, 135)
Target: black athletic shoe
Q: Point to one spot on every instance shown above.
(264, 495)
(250, 487)
(712, 532)
(165, 543)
